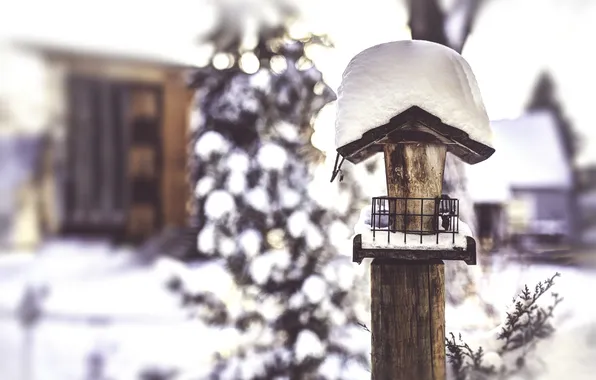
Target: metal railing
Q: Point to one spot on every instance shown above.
(420, 216)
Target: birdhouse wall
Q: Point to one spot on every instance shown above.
(415, 170)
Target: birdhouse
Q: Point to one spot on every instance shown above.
(414, 101)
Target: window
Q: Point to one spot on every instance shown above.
(113, 156)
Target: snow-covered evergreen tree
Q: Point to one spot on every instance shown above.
(257, 212)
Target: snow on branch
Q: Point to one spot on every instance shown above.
(528, 322)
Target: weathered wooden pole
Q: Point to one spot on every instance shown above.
(408, 297)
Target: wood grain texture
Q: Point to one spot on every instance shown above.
(415, 171)
(408, 320)
(437, 318)
(408, 297)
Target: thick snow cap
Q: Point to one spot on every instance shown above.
(383, 81)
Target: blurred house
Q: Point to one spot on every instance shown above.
(587, 178)
(111, 130)
(526, 191)
(587, 205)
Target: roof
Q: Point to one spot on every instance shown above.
(157, 32)
(529, 154)
(385, 81)
(416, 124)
(60, 49)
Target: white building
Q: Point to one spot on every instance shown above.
(527, 187)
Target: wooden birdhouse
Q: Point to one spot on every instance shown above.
(415, 101)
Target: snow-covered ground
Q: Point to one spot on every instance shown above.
(99, 299)
(571, 352)
(104, 299)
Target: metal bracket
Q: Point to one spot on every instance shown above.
(337, 168)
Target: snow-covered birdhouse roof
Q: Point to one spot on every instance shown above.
(387, 86)
(530, 154)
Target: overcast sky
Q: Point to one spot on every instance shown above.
(513, 40)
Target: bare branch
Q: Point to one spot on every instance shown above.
(470, 9)
(427, 21)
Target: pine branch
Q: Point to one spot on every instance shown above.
(465, 361)
(523, 328)
(529, 322)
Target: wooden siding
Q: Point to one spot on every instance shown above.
(175, 188)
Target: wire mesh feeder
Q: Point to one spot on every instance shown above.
(424, 229)
(444, 218)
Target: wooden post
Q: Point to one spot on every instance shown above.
(408, 297)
